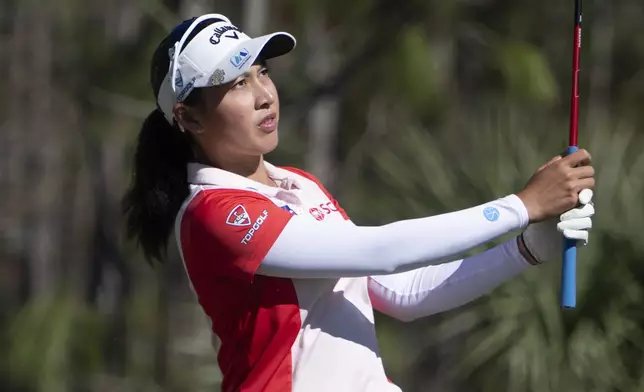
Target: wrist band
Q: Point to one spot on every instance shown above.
(525, 252)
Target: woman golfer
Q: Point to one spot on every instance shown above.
(289, 282)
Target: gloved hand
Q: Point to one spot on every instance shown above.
(544, 240)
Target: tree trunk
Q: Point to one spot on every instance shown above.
(255, 19)
(43, 152)
(162, 338)
(322, 120)
(14, 173)
(600, 72)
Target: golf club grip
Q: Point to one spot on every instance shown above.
(569, 267)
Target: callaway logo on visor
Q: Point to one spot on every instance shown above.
(220, 31)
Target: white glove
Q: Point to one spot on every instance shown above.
(544, 239)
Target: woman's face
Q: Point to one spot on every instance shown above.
(239, 120)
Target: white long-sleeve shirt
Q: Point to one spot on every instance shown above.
(290, 283)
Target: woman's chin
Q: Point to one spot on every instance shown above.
(268, 142)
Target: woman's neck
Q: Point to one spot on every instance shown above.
(260, 174)
(252, 168)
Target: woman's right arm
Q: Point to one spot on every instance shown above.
(308, 249)
(246, 232)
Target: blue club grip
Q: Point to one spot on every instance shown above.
(569, 267)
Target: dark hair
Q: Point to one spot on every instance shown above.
(159, 182)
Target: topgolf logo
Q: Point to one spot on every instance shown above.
(256, 226)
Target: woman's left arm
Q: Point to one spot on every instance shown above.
(426, 291)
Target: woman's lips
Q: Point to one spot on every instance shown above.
(269, 123)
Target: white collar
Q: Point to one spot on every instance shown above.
(199, 174)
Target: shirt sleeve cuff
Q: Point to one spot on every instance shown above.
(515, 203)
(513, 251)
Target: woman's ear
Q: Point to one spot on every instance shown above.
(186, 118)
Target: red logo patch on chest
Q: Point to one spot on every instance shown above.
(317, 214)
(323, 210)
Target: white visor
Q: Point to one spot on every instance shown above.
(218, 54)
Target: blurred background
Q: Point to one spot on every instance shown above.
(402, 108)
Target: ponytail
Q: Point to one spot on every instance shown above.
(160, 179)
(159, 185)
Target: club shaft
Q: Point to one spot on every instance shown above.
(569, 265)
(574, 97)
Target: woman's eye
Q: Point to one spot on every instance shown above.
(264, 72)
(241, 83)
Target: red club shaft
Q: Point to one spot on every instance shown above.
(574, 101)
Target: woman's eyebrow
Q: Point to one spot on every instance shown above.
(247, 73)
